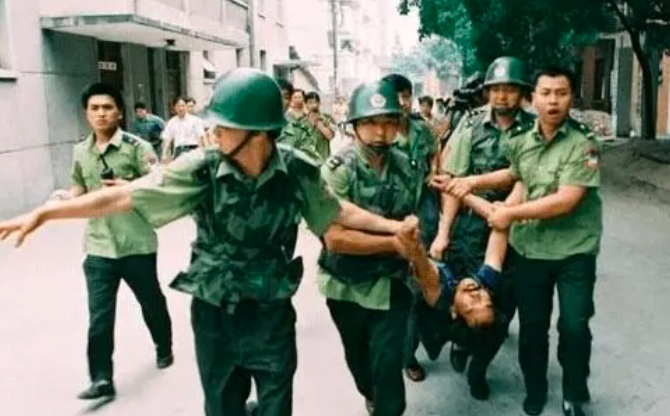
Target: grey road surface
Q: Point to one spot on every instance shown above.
(43, 331)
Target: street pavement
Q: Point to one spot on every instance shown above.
(43, 322)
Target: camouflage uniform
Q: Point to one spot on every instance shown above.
(322, 145)
(477, 147)
(243, 273)
(368, 296)
(298, 134)
(421, 146)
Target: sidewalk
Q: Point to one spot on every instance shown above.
(639, 165)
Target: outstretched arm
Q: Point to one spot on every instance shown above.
(100, 203)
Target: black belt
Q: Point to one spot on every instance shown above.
(189, 147)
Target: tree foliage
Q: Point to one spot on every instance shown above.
(432, 53)
(548, 31)
(537, 31)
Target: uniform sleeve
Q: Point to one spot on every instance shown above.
(457, 162)
(145, 158)
(320, 208)
(172, 191)
(510, 152)
(583, 166)
(433, 142)
(77, 175)
(337, 180)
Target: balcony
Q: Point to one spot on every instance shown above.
(179, 24)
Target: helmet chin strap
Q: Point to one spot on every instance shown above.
(241, 145)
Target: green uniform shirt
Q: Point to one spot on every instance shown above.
(117, 235)
(321, 144)
(373, 293)
(299, 135)
(478, 145)
(571, 158)
(420, 145)
(253, 219)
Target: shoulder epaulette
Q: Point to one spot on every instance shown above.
(475, 116)
(334, 162)
(520, 128)
(582, 128)
(127, 138)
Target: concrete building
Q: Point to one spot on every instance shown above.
(363, 34)
(152, 50)
(611, 81)
(364, 42)
(309, 30)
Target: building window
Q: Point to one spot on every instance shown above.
(264, 60)
(208, 68)
(239, 57)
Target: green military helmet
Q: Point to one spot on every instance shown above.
(375, 99)
(507, 70)
(246, 99)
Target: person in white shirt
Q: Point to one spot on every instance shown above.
(184, 131)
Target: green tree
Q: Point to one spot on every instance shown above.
(432, 53)
(548, 31)
(538, 31)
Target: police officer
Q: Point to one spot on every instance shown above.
(120, 247)
(248, 196)
(297, 132)
(362, 275)
(417, 141)
(555, 238)
(323, 125)
(478, 146)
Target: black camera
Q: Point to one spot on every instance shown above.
(107, 172)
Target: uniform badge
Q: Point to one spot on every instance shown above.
(592, 158)
(377, 101)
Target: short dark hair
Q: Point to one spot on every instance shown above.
(399, 82)
(100, 88)
(178, 98)
(190, 100)
(312, 95)
(556, 71)
(285, 85)
(140, 106)
(427, 99)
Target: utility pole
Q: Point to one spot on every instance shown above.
(333, 12)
